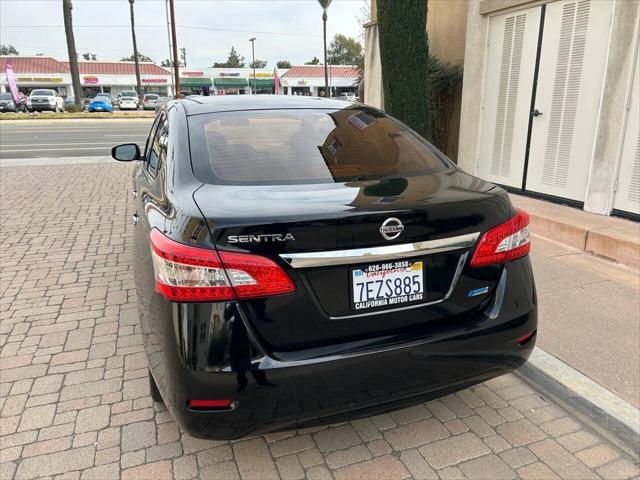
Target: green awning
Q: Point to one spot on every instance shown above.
(262, 82)
(195, 82)
(230, 82)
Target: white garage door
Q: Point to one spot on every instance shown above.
(511, 51)
(543, 82)
(572, 63)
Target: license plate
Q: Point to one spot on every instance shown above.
(99, 109)
(387, 284)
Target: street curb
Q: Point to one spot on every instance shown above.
(50, 161)
(590, 402)
(40, 121)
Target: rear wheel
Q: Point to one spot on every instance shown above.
(155, 393)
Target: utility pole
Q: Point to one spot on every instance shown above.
(253, 56)
(183, 54)
(172, 62)
(135, 48)
(71, 48)
(176, 70)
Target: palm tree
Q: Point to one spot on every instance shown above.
(135, 48)
(325, 5)
(71, 48)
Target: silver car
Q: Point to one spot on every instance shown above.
(149, 101)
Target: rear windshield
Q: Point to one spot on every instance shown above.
(6, 96)
(128, 94)
(151, 97)
(306, 146)
(43, 93)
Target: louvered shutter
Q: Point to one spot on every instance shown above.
(511, 55)
(572, 65)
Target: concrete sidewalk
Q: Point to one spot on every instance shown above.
(608, 237)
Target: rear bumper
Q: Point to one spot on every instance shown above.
(206, 352)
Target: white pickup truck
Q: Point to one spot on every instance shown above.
(45, 99)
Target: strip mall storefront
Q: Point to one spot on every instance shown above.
(27, 83)
(114, 84)
(309, 80)
(195, 82)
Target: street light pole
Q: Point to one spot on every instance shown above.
(176, 71)
(253, 56)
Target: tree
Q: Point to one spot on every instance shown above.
(136, 57)
(313, 61)
(258, 64)
(325, 5)
(404, 51)
(235, 60)
(283, 64)
(90, 56)
(71, 49)
(169, 63)
(346, 51)
(141, 58)
(183, 55)
(8, 50)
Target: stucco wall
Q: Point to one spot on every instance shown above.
(446, 27)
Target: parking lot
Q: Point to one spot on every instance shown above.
(74, 396)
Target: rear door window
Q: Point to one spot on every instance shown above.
(306, 146)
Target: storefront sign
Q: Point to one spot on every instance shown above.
(89, 79)
(229, 74)
(300, 83)
(154, 80)
(261, 75)
(192, 74)
(40, 79)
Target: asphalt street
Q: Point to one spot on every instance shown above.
(82, 138)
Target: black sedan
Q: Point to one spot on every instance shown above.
(301, 261)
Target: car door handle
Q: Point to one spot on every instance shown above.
(134, 218)
(535, 113)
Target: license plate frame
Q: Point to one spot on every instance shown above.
(413, 269)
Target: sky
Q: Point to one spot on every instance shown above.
(285, 29)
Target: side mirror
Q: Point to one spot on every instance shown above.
(126, 152)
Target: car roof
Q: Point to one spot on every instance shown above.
(197, 104)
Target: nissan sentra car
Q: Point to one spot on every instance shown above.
(302, 261)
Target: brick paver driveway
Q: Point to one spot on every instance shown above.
(74, 393)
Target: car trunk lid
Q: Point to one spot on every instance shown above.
(321, 234)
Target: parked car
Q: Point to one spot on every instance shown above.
(8, 104)
(128, 100)
(149, 101)
(72, 101)
(100, 103)
(349, 97)
(301, 261)
(45, 99)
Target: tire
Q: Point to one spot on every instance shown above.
(153, 387)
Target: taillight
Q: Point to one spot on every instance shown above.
(191, 274)
(507, 241)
